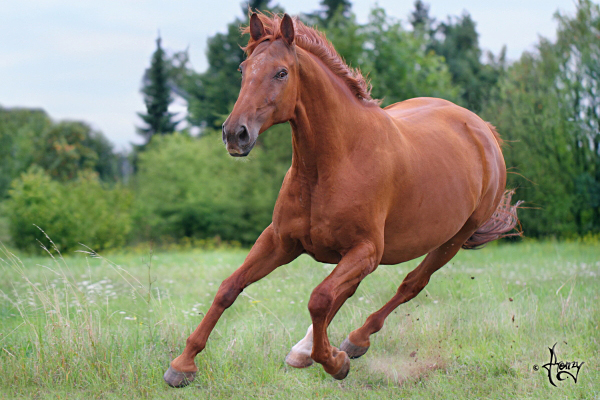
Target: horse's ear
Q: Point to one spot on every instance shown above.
(257, 30)
(287, 29)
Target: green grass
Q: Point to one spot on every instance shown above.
(84, 327)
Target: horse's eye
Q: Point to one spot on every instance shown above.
(281, 74)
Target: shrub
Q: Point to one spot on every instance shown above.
(188, 187)
(79, 211)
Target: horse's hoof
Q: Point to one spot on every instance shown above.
(343, 372)
(178, 379)
(353, 350)
(298, 360)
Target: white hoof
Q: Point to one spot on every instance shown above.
(299, 356)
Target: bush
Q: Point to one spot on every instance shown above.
(191, 188)
(79, 211)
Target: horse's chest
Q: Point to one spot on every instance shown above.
(324, 232)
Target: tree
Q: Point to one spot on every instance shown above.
(420, 20)
(327, 13)
(211, 94)
(63, 149)
(66, 148)
(335, 6)
(157, 96)
(256, 5)
(399, 65)
(547, 108)
(458, 41)
(578, 42)
(19, 128)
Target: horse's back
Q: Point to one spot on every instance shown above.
(441, 124)
(427, 113)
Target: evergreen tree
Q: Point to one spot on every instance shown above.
(157, 96)
(333, 6)
(458, 41)
(420, 20)
(331, 10)
(255, 5)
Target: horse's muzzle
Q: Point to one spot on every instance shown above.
(238, 141)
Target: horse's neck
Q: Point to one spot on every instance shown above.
(327, 117)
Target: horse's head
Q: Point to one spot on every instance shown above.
(269, 86)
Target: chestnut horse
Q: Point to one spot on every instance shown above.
(367, 185)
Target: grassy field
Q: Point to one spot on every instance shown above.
(85, 327)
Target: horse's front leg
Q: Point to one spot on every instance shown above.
(329, 296)
(268, 253)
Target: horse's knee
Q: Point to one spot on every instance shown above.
(320, 301)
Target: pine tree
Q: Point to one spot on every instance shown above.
(333, 6)
(329, 9)
(420, 20)
(157, 96)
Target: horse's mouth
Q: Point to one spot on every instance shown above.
(240, 151)
(239, 155)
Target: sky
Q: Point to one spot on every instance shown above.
(84, 60)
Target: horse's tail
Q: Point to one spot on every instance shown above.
(496, 134)
(499, 225)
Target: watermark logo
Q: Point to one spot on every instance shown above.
(560, 370)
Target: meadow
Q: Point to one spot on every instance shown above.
(89, 326)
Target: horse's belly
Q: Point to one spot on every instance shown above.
(418, 225)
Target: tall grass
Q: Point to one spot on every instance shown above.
(88, 327)
(82, 332)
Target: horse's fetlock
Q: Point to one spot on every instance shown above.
(194, 345)
(320, 357)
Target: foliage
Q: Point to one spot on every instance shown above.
(78, 211)
(330, 10)
(547, 108)
(579, 81)
(212, 94)
(66, 148)
(422, 23)
(458, 42)
(399, 65)
(157, 96)
(189, 187)
(29, 137)
(19, 130)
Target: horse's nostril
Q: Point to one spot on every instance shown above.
(244, 137)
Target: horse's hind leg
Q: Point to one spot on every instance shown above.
(357, 343)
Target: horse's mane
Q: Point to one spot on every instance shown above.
(317, 44)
